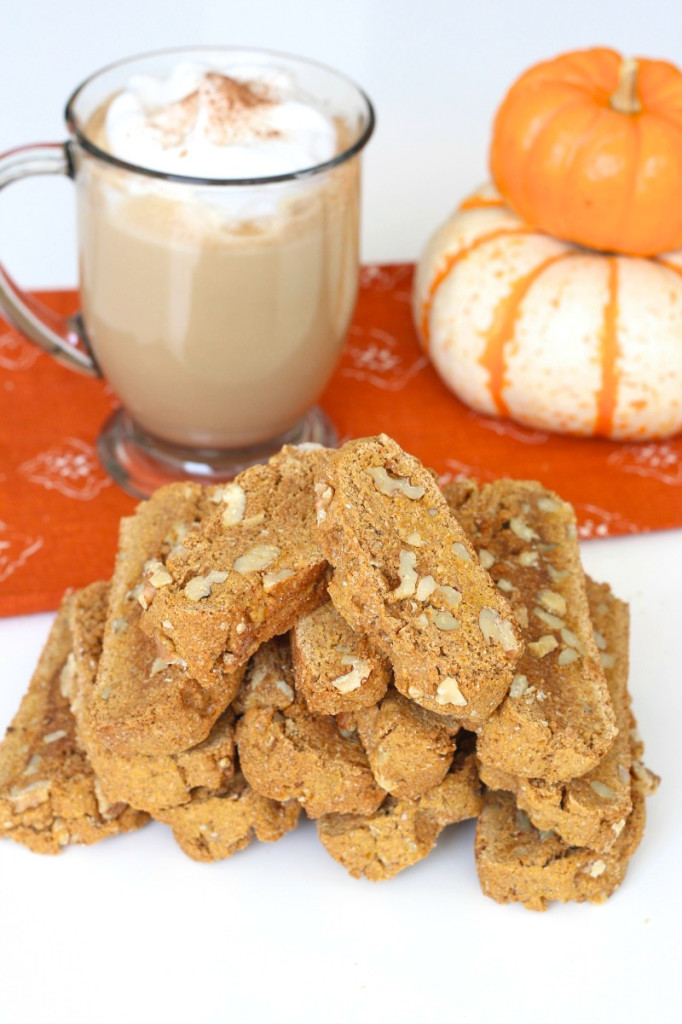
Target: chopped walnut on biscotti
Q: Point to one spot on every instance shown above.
(557, 721)
(406, 575)
(249, 571)
(335, 668)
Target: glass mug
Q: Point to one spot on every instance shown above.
(215, 308)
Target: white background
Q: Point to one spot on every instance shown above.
(435, 69)
(131, 929)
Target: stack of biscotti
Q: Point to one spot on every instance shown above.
(563, 809)
(331, 632)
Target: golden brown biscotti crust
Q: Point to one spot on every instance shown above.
(247, 574)
(557, 721)
(269, 678)
(518, 864)
(402, 831)
(150, 782)
(294, 755)
(49, 795)
(214, 826)
(406, 575)
(212, 812)
(145, 701)
(410, 749)
(335, 668)
(590, 810)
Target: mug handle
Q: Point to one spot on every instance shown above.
(61, 337)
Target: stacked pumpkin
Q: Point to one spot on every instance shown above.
(554, 297)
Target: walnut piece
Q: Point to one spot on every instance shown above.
(271, 579)
(494, 627)
(235, 504)
(545, 645)
(390, 485)
(460, 551)
(407, 574)
(521, 528)
(448, 692)
(519, 685)
(260, 556)
(485, 558)
(354, 679)
(201, 586)
(426, 587)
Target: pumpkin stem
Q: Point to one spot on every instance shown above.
(625, 100)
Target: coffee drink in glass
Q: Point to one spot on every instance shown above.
(218, 208)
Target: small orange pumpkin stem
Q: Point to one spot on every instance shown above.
(625, 100)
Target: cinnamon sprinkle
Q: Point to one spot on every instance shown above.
(226, 108)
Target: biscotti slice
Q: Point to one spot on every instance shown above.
(149, 782)
(591, 810)
(410, 749)
(49, 794)
(516, 863)
(269, 678)
(335, 668)
(557, 721)
(407, 577)
(146, 701)
(402, 831)
(294, 755)
(215, 826)
(249, 572)
(460, 795)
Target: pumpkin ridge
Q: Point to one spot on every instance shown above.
(631, 190)
(665, 116)
(451, 262)
(622, 132)
(609, 354)
(574, 91)
(573, 165)
(660, 85)
(503, 327)
(597, 67)
(509, 178)
(527, 188)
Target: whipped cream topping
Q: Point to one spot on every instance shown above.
(242, 123)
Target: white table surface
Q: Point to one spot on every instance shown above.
(131, 929)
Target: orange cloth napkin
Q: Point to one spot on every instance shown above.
(59, 511)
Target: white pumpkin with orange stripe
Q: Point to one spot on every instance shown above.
(557, 337)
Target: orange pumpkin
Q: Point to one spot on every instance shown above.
(588, 147)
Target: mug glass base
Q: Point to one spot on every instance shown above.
(140, 463)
